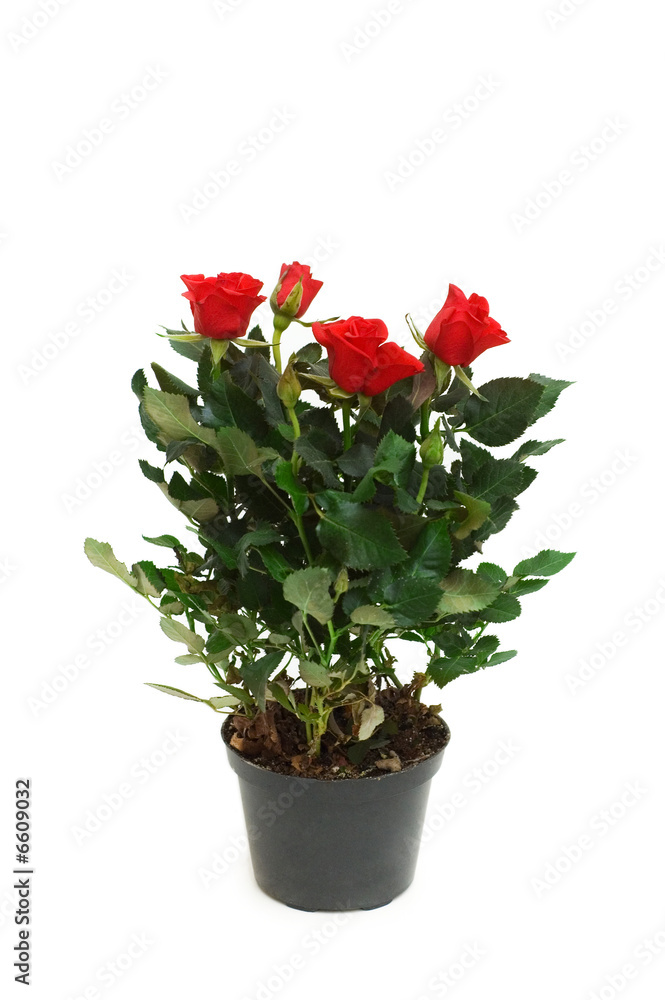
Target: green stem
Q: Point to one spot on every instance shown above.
(276, 349)
(423, 486)
(346, 414)
(424, 419)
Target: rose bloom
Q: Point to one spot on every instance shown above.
(289, 277)
(222, 306)
(463, 329)
(359, 360)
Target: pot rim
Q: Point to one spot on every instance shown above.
(250, 769)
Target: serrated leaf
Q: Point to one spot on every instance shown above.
(240, 455)
(357, 537)
(509, 407)
(477, 512)
(520, 587)
(466, 591)
(287, 481)
(494, 572)
(199, 510)
(257, 674)
(317, 460)
(552, 390)
(443, 670)
(151, 472)
(370, 614)
(314, 674)
(173, 417)
(173, 384)
(431, 554)
(505, 609)
(535, 448)
(178, 632)
(139, 382)
(503, 657)
(412, 600)
(498, 478)
(101, 555)
(546, 563)
(308, 589)
(166, 541)
(150, 581)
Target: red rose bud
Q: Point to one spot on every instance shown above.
(222, 306)
(463, 329)
(359, 360)
(295, 290)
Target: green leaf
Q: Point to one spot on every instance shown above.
(466, 591)
(317, 460)
(139, 382)
(395, 456)
(412, 600)
(552, 390)
(357, 537)
(173, 417)
(101, 555)
(308, 589)
(494, 572)
(546, 563)
(279, 694)
(150, 581)
(486, 646)
(520, 587)
(188, 659)
(176, 692)
(443, 670)
(477, 512)
(502, 657)
(240, 455)
(180, 633)
(314, 674)
(370, 614)
(275, 563)
(219, 703)
(505, 609)
(535, 448)
(171, 383)
(257, 674)
(509, 407)
(236, 630)
(498, 478)
(150, 472)
(198, 510)
(166, 541)
(286, 481)
(431, 554)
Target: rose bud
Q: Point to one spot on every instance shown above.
(463, 329)
(222, 306)
(294, 291)
(359, 360)
(288, 387)
(431, 450)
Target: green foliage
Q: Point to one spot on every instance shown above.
(312, 541)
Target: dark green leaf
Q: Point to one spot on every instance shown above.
(317, 460)
(465, 591)
(357, 537)
(171, 383)
(505, 609)
(535, 448)
(521, 587)
(257, 674)
(286, 481)
(552, 390)
(150, 472)
(413, 600)
(431, 554)
(139, 382)
(240, 455)
(546, 563)
(507, 410)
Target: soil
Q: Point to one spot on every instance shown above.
(275, 739)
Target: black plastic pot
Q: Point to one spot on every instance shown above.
(348, 844)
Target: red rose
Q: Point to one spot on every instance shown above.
(463, 329)
(222, 306)
(359, 359)
(289, 277)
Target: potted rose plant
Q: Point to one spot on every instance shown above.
(332, 505)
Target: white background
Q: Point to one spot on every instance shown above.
(360, 104)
